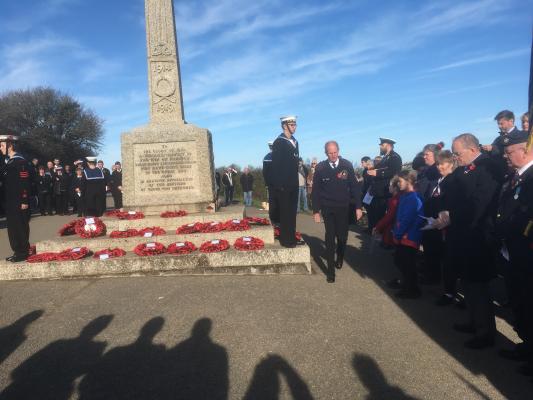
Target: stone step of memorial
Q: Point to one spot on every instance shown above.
(227, 213)
(263, 232)
(272, 259)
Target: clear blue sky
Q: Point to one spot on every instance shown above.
(416, 71)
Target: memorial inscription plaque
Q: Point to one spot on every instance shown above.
(165, 168)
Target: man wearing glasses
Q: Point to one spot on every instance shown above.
(285, 156)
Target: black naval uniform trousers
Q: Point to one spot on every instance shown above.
(285, 155)
(514, 224)
(389, 166)
(17, 191)
(94, 192)
(334, 189)
(116, 181)
(273, 212)
(472, 207)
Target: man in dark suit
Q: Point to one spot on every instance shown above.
(390, 165)
(334, 188)
(285, 156)
(514, 225)
(471, 208)
(116, 185)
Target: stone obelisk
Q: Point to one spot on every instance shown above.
(167, 164)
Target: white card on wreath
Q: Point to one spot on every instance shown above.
(215, 241)
(76, 249)
(148, 234)
(104, 256)
(247, 239)
(150, 245)
(89, 221)
(180, 244)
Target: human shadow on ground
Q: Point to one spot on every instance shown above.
(375, 381)
(196, 368)
(372, 262)
(12, 336)
(51, 372)
(266, 384)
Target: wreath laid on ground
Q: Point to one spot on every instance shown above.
(257, 221)
(90, 227)
(212, 227)
(112, 213)
(149, 249)
(297, 235)
(124, 234)
(68, 229)
(130, 215)
(189, 228)
(173, 214)
(181, 248)
(76, 253)
(109, 253)
(214, 246)
(151, 231)
(42, 257)
(248, 243)
(237, 225)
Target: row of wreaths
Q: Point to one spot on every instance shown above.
(246, 243)
(94, 227)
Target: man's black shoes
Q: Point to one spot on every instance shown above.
(330, 279)
(14, 258)
(409, 294)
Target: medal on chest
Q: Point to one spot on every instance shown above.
(342, 175)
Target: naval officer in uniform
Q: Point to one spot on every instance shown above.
(390, 165)
(334, 188)
(284, 180)
(16, 178)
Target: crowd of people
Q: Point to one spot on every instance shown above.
(469, 208)
(79, 189)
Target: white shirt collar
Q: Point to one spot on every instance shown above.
(524, 168)
(336, 163)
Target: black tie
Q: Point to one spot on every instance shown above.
(333, 165)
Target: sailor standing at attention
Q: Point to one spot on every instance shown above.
(284, 182)
(16, 178)
(94, 189)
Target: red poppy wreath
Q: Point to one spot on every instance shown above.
(151, 231)
(248, 243)
(129, 215)
(173, 214)
(237, 225)
(90, 227)
(149, 249)
(76, 253)
(214, 246)
(181, 248)
(109, 253)
(212, 227)
(68, 229)
(112, 213)
(124, 234)
(257, 221)
(42, 257)
(189, 228)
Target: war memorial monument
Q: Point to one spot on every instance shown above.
(168, 165)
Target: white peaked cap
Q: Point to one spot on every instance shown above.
(289, 118)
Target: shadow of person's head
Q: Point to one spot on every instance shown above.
(202, 329)
(369, 372)
(29, 318)
(96, 326)
(151, 328)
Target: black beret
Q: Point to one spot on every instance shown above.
(515, 137)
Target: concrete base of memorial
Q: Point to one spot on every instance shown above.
(272, 259)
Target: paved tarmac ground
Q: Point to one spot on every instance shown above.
(243, 337)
